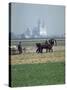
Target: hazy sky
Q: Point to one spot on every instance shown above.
(25, 16)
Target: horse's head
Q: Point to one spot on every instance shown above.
(38, 44)
(52, 42)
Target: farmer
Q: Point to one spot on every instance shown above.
(20, 48)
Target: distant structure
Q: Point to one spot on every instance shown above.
(40, 30)
(38, 26)
(43, 30)
(27, 33)
(37, 32)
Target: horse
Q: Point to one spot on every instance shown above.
(38, 47)
(53, 41)
(48, 46)
(41, 46)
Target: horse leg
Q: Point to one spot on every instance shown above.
(41, 50)
(49, 50)
(46, 50)
(52, 50)
(37, 51)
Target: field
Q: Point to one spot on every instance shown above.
(30, 68)
(32, 57)
(38, 74)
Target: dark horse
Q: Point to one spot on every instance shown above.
(48, 46)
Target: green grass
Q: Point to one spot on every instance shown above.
(37, 74)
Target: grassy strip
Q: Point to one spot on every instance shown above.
(38, 74)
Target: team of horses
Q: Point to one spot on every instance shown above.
(47, 45)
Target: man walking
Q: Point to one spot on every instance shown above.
(20, 48)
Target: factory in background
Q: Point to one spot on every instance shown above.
(37, 32)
